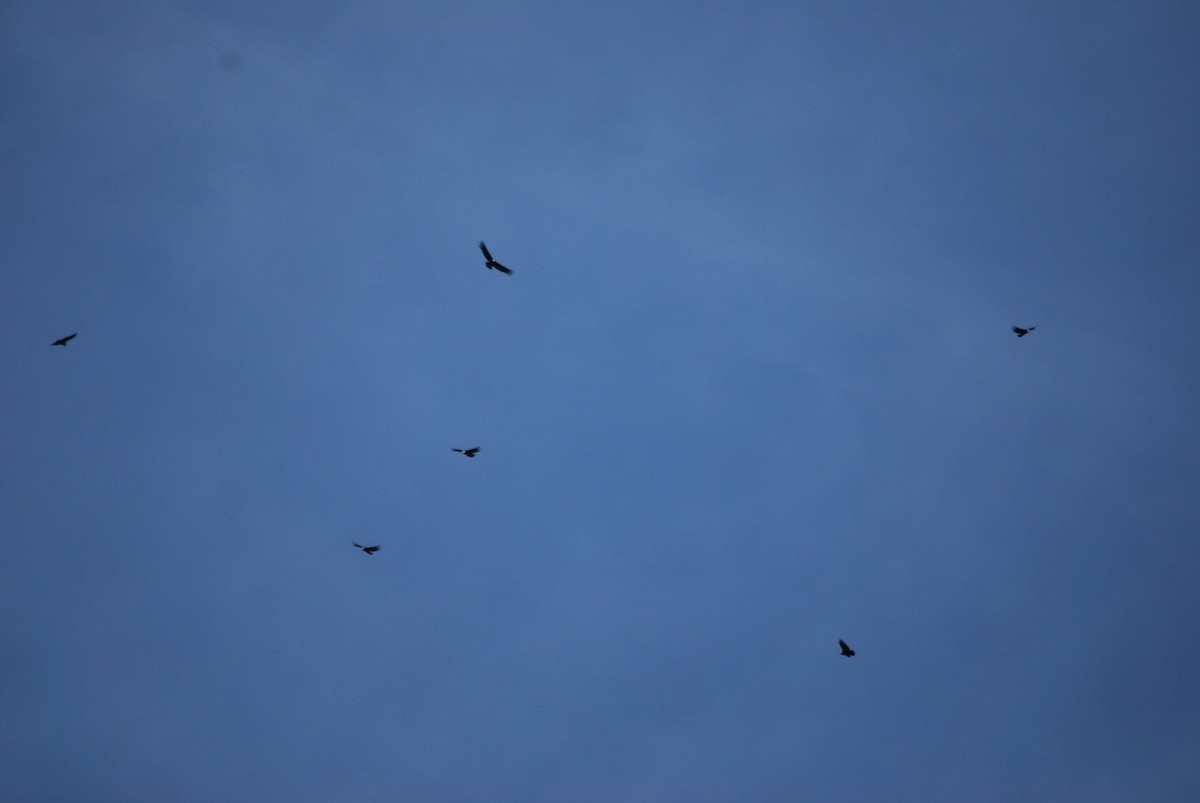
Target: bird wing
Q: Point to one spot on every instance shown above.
(70, 336)
(360, 546)
(843, 645)
(486, 254)
(501, 268)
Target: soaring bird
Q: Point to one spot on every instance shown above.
(846, 651)
(491, 263)
(62, 341)
(370, 550)
(474, 450)
(1022, 332)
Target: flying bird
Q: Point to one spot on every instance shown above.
(1022, 332)
(370, 550)
(846, 651)
(474, 450)
(491, 263)
(62, 341)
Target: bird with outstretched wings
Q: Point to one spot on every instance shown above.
(846, 651)
(491, 263)
(1022, 332)
(370, 550)
(474, 450)
(62, 341)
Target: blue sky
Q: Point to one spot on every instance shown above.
(751, 389)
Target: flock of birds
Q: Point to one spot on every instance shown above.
(492, 264)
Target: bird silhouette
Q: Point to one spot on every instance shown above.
(491, 263)
(846, 651)
(62, 341)
(474, 450)
(370, 550)
(1022, 332)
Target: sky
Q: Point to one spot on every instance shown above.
(752, 388)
